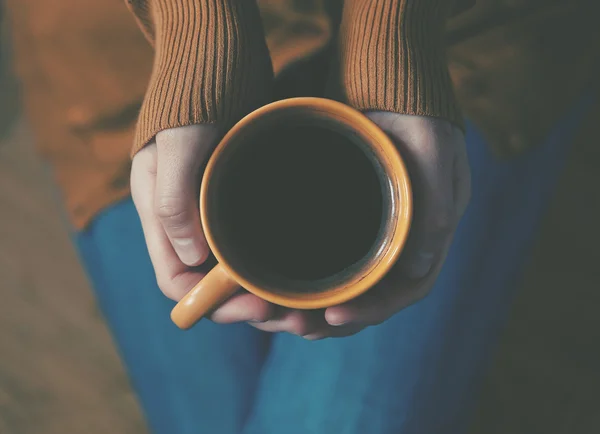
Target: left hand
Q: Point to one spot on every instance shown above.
(435, 153)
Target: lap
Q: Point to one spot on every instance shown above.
(201, 380)
(413, 374)
(417, 372)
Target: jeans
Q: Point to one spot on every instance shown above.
(418, 373)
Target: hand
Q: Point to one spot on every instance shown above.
(434, 151)
(165, 184)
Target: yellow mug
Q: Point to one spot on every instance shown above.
(305, 203)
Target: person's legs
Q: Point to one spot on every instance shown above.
(417, 373)
(194, 382)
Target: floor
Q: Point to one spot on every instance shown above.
(59, 373)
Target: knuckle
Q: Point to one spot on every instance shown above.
(167, 287)
(171, 211)
(298, 325)
(263, 312)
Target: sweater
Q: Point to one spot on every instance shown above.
(98, 82)
(212, 64)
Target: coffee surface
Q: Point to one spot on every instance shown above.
(302, 203)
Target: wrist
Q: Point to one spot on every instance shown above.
(211, 65)
(392, 58)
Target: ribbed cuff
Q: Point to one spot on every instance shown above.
(211, 63)
(392, 57)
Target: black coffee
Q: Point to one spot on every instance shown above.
(302, 203)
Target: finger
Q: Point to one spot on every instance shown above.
(243, 307)
(173, 277)
(296, 322)
(394, 293)
(181, 154)
(375, 307)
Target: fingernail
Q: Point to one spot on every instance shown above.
(336, 316)
(337, 320)
(338, 323)
(187, 252)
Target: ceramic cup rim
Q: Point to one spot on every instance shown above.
(399, 183)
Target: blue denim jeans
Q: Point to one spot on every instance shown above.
(415, 374)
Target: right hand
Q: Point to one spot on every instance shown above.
(165, 185)
(435, 153)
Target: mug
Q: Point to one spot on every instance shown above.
(305, 203)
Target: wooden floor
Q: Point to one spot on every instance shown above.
(59, 373)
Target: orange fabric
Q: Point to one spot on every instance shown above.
(392, 57)
(212, 63)
(85, 66)
(518, 64)
(294, 30)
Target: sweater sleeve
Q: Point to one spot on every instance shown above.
(392, 57)
(211, 63)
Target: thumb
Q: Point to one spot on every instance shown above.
(182, 152)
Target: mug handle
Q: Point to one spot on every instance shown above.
(212, 290)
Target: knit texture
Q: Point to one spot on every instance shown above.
(211, 63)
(84, 68)
(392, 57)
